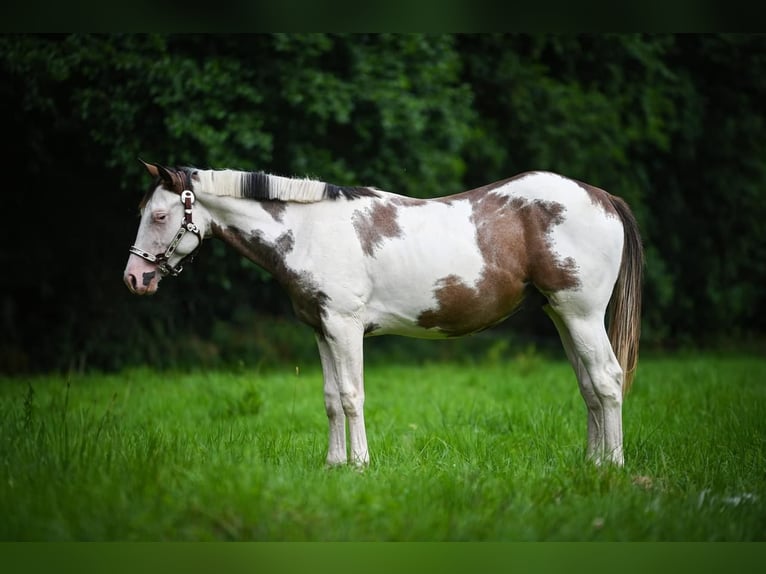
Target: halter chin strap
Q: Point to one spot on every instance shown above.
(163, 259)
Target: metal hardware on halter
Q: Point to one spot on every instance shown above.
(162, 259)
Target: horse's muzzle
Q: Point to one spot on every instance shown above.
(141, 277)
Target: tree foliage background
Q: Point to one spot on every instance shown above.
(672, 123)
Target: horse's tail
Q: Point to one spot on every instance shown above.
(625, 304)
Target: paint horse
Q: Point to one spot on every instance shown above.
(358, 262)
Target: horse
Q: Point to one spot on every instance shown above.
(360, 262)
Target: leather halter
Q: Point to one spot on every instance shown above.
(163, 259)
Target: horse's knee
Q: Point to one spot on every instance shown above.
(333, 411)
(607, 385)
(352, 402)
(609, 393)
(333, 406)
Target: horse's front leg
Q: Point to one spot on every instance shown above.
(336, 451)
(341, 346)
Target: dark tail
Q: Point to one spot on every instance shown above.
(625, 305)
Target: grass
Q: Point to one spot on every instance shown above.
(490, 452)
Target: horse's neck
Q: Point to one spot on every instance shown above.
(247, 215)
(258, 230)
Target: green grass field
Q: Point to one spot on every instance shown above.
(488, 452)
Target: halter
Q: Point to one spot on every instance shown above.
(162, 259)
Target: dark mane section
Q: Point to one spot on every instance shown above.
(255, 185)
(332, 191)
(258, 185)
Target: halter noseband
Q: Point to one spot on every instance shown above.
(163, 259)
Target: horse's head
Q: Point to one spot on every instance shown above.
(168, 231)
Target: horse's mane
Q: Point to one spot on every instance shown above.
(263, 186)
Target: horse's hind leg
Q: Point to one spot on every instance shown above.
(599, 377)
(595, 422)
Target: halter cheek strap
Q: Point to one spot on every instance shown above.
(188, 225)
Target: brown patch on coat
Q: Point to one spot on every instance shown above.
(275, 208)
(375, 224)
(513, 235)
(309, 301)
(404, 201)
(543, 267)
(599, 197)
(464, 309)
(485, 189)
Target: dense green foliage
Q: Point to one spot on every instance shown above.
(673, 123)
(495, 453)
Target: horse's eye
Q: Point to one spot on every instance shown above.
(159, 217)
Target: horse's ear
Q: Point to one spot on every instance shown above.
(151, 168)
(166, 175)
(170, 178)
